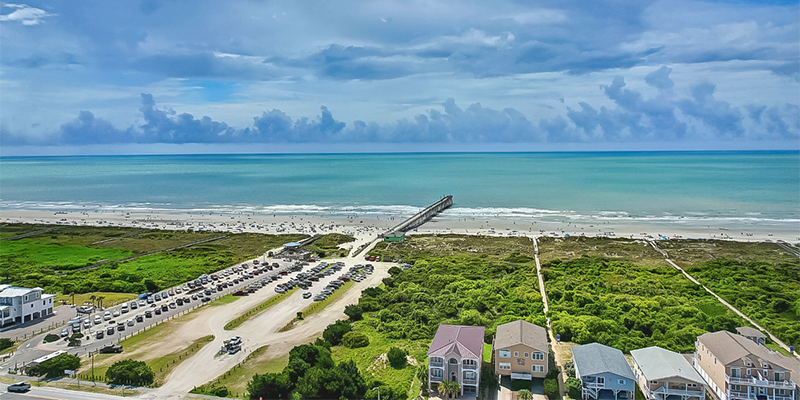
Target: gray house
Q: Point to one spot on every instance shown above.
(604, 373)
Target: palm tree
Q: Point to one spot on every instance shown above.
(449, 388)
(422, 375)
(525, 394)
(93, 298)
(100, 301)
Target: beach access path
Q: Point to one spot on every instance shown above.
(721, 300)
(557, 346)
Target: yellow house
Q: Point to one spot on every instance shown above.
(520, 350)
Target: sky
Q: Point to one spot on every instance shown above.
(148, 76)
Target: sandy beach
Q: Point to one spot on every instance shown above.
(366, 226)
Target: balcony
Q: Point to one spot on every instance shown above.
(472, 367)
(436, 379)
(752, 381)
(469, 382)
(680, 392)
(436, 363)
(732, 395)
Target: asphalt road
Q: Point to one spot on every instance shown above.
(35, 348)
(53, 394)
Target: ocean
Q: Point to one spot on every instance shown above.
(750, 188)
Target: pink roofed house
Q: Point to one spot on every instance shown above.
(455, 354)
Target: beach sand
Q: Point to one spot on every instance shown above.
(365, 227)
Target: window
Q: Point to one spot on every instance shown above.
(525, 355)
(505, 365)
(470, 375)
(537, 368)
(780, 392)
(536, 355)
(437, 360)
(453, 361)
(693, 385)
(654, 382)
(737, 388)
(436, 373)
(779, 376)
(470, 364)
(601, 380)
(516, 354)
(504, 353)
(620, 381)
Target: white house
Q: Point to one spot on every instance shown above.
(455, 354)
(22, 304)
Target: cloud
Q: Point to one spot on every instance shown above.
(25, 14)
(631, 117)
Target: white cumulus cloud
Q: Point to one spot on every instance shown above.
(26, 14)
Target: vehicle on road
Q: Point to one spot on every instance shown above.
(110, 330)
(99, 335)
(148, 314)
(64, 332)
(107, 316)
(307, 295)
(98, 319)
(131, 322)
(124, 308)
(120, 326)
(157, 311)
(115, 313)
(111, 348)
(19, 387)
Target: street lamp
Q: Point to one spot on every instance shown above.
(379, 392)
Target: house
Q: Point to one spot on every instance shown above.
(752, 334)
(520, 350)
(604, 373)
(19, 304)
(665, 375)
(455, 354)
(736, 368)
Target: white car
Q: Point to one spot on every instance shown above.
(98, 319)
(115, 313)
(107, 316)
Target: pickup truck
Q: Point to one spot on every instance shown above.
(112, 348)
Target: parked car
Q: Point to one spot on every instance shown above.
(140, 318)
(148, 314)
(131, 322)
(120, 326)
(158, 311)
(307, 295)
(98, 319)
(172, 305)
(107, 316)
(64, 332)
(115, 313)
(110, 330)
(99, 335)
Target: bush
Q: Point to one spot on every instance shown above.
(397, 357)
(334, 332)
(270, 386)
(355, 340)
(51, 338)
(569, 369)
(219, 391)
(5, 343)
(130, 372)
(354, 312)
(551, 389)
(573, 388)
(54, 367)
(488, 377)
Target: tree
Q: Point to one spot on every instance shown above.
(569, 369)
(54, 367)
(354, 312)
(270, 386)
(93, 299)
(355, 340)
(100, 301)
(551, 389)
(334, 332)
(449, 388)
(422, 376)
(397, 358)
(130, 372)
(488, 377)
(573, 387)
(525, 394)
(5, 343)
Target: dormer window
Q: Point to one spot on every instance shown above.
(453, 361)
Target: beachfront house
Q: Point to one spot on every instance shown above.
(737, 368)
(455, 354)
(18, 305)
(520, 350)
(752, 334)
(665, 375)
(604, 373)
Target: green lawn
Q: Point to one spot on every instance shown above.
(328, 245)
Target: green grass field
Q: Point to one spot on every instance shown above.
(328, 245)
(236, 379)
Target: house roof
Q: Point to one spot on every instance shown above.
(465, 341)
(751, 332)
(729, 347)
(657, 363)
(596, 358)
(521, 332)
(13, 291)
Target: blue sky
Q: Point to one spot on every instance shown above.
(249, 76)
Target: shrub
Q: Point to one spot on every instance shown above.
(573, 387)
(569, 369)
(397, 357)
(551, 388)
(5, 343)
(354, 312)
(334, 332)
(219, 391)
(54, 367)
(130, 372)
(355, 340)
(51, 338)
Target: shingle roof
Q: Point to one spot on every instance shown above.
(657, 363)
(521, 332)
(748, 331)
(729, 347)
(466, 341)
(596, 358)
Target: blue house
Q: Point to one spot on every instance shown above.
(604, 373)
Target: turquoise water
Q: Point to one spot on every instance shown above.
(716, 185)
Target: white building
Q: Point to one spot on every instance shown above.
(22, 304)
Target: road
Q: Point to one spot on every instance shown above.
(50, 393)
(205, 365)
